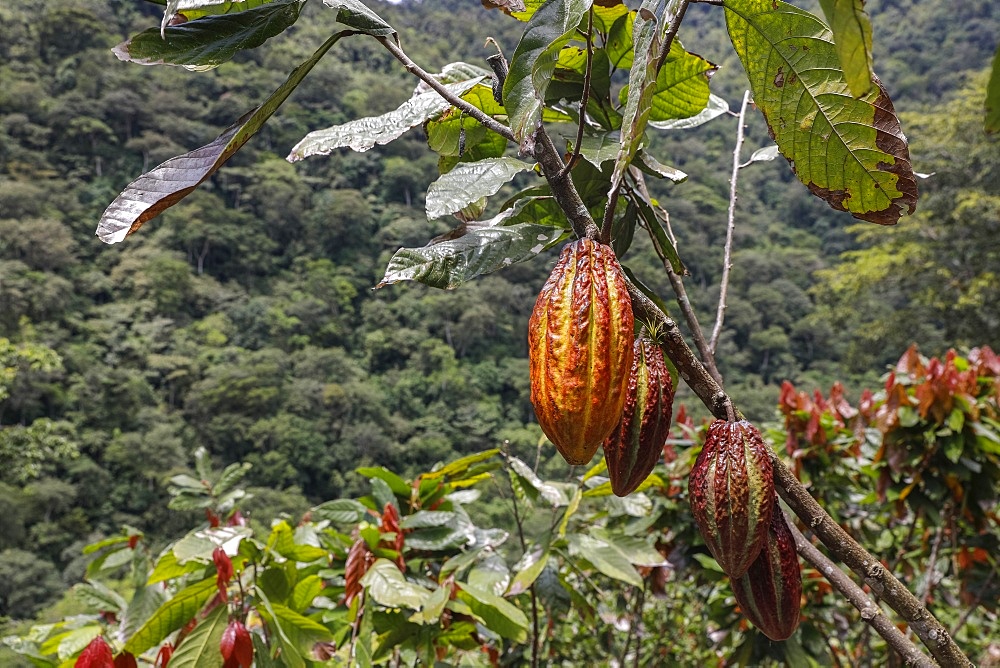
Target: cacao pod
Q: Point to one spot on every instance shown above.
(635, 445)
(731, 491)
(770, 592)
(580, 349)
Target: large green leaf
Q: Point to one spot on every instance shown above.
(849, 152)
(852, 35)
(363, 133)
(212, 40)
(604, 557)
(483, 247)
(386, 585)
(195, 9)
(468, 182)
(172, 615)
(159, 189)
(200, 648)
(716, 107)
(340, 511)
(993, 97)
(498, 614)
(681, 86)
(534, 61)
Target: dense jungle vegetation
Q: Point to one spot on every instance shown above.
(244, 320)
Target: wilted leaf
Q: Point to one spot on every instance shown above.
(212, 40)
(534, 61)
(849, 152)
(638, 95)
(852, 35)
(363, 133)
(483, 247)
(468, 182)
(764, 154)
(157, 190)
(358, 16)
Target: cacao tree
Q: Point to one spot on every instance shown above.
(411, 579)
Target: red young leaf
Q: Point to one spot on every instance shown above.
(358, 561)
(236, 646)
(95, 655)
(163, 656)
(224, 571)
(125, 660)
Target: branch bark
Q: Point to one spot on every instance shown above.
(871, 613)
(727, 261)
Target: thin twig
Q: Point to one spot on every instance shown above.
(925, 588)
(414, 69)
(871, 613)
(727, 262)
(975, 603)
(677, 283)
(586, 95)
(637, 625)
(717, 3)
(531, 589)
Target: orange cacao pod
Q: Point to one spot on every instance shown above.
(731, 491)
(770, 593)
(635, 445)
(580, 349)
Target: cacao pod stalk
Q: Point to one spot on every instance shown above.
(731, 491)
(770, 593)
(580, 349)
(635, 445)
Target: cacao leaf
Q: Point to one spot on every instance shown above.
(529, 573)
(172, 615)
(681, 86)
(716, 107)
(849, 152)
(358, 16)
(363, 133)
(340, 511)
(470, 181)
(605, 558)
(534, 61)
(386, 585)
(155, 191)
(852, 35)
(497, 614)
(207, 42)
(484, 247)
(200, 648)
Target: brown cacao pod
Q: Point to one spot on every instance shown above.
(635, 445)
(580, 349)
(731, 491)
(770, 592)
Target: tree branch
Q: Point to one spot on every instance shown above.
(677, 283)
(414, 69)
(727, 262)
(871, 613)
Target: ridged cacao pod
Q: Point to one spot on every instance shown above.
(770, 592)
(635, 445)
(731, 490)
(580, 349)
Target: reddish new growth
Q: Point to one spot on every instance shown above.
(236, 646)
(97, 654)
(224, 572)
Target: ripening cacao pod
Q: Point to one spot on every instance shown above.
(635, 445)
(731, 490)
(580, 349)
(770, 592)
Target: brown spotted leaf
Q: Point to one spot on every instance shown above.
(159, 189)
(849, 152)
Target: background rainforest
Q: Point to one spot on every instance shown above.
(244, 321)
